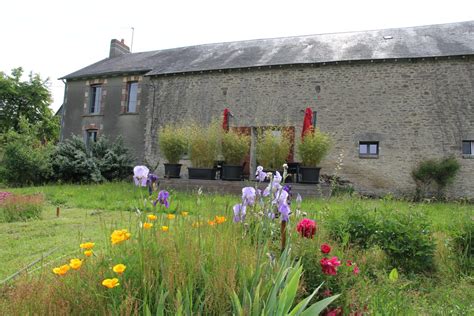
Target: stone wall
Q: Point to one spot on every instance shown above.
(415, 109)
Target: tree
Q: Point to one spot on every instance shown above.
(28, 99)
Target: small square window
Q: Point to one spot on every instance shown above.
(368, 149)
(132, 97)
(468, 147)
(96, 96)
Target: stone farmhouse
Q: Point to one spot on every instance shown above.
(389, 98)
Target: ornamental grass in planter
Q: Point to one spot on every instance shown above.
(235, 146)
(312, 149)
(273, 149)
(173, 145)
(204, 146)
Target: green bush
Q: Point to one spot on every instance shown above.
(25, 162)
(441, 172)
(173, 144)
(405, 236)
(235, 146)
(356, 226)
(73, 162)
(204, 144)
(407, 239)
(273, 149)
(313, 148)
(21, 208)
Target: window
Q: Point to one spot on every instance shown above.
(132, 97)
(315, 119)
(91, 137)
(368, 149)
(468, 147)
(96, 94)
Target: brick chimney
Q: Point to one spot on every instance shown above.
(118, 48)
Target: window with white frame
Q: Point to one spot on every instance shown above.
(132, 97)
(95, 99)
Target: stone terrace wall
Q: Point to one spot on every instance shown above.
(415, 109)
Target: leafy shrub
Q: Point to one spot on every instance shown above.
(235, 146)
(441, 172)
(173, 144)
(273, 149)
(25, 161)
(204, 144)
(313, 148)
(405, 236)
(74, 163)
(356, 226)
(21, 208)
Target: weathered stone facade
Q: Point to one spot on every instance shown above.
(410, 90)
(416, 110)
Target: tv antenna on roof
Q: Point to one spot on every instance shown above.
(131, 43)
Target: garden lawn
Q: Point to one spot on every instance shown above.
(22, 243)
(92, 212)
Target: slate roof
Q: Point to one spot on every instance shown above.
(453, 39)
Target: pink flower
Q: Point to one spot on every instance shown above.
(306, 227)
(329, 265)
(325, 248)
(356, 270)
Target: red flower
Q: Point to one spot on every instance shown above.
(327, 293)
(306, 227)
(329, 265)
(325, 248)
(348, 263)
(334, 312)
(356, 270)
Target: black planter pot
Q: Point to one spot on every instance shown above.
(309, 174)
(172, 170)
(202, 173)
(232, 173)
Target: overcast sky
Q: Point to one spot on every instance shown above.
(55, 38)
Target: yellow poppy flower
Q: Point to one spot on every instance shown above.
(119, 268)
(220, 219)
(119, 236)
(184, 214)
(87, 245)
(152, 217)
(110, 283)
(170, 216)
(88, 253)
(75, 264)
(164, 228)
(147, 225)
(62, 270)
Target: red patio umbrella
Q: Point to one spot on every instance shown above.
(308, 122)
(225, 120)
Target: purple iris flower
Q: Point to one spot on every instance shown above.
(287, 188)
(248, 196)
(162, 198)
(239, 212)
(281, 199)
(260, 175)
(140, 175)
(274, 186)
(152, 179)
(277, 178)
